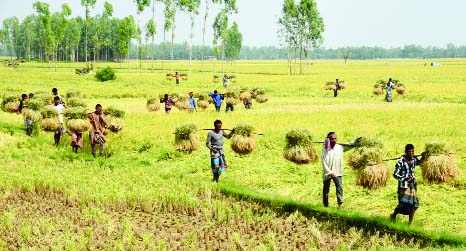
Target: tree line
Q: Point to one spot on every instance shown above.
(48, 36)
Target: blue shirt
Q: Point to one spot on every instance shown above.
(192, 103)
(217, 98)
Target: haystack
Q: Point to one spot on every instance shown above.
(153, 103)
(329, 85)
(182, 101)
(10, 103)
(373, 176)
(243, 141)
(256, 91)
(245, 96)
(437, 166)
(169, 76)
(49, 113)
(34, 104)
(299, 147)
(364, 156)
(32, 115)
(378, 87)
(186, 138)
(231, 97)
(78, 125)
(75, 102)
(262, 98)
(75, 113)
(400, 88)
(203, 104)
(50, 124)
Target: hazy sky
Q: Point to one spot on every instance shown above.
(386, 23)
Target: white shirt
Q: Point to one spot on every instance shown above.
(60, 108)
(332, 161)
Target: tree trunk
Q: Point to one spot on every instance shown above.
(163, 50)
(223, 57)
(152, 48)
(172, 42)
(191, 36)
(203, 34)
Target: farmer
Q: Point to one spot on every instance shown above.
(247, 103)
(96, 134)
(60, 108)
(192, 102)
(55, 94)
(76, 141)
(27, 122)
(177, 78)
(31, 95)
(407, 186)
(217, 98)
(389, 87)
(332, 163)
(225, 80)
(217, 155)
(169, 102)
(337, 87)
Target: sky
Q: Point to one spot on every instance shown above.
(384, 23)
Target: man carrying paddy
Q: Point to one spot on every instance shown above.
(215, 143)
(98, 123)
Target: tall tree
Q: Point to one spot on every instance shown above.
(11, 35)
(233, 42)
(287, 28)
(44, 16)
(140, 6)
(72, 38)
(169, 13)
(192, 7)
(221, 26)
(206, 14)
(152, 30)
(126, 31)
(88, 4)
(59, 25)
(345, 53)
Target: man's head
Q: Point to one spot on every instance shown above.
(98, 108)
(24, 96)
(165, 96)
(390, 79)
(190, 94)
(56, 100)
(218, 124)
(336, 80)
(54, 91)
(215, 92)
(332, 137)
(409, 150)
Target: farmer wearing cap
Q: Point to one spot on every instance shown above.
(407, 186)
(332, 163)
(215, 144)
(96, 134)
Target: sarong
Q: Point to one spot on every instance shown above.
(218, 161)
(407, 199)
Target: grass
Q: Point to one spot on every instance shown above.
(142, 168)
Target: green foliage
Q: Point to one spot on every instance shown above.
(49, 113)
(233, 42)
(369, 142)
(105, 74)
(185, 131)
(298, 137)
(73, 93)
(75, 102)
(434, 148)
(75, 113)
(244, 130)
(34, 104)
(114, 112)
(364, 156)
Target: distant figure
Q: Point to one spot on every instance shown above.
(27, 122)
(177, 78)
(192, 102)
(407, 186)
(169, 102)
(337, 87)
(225, 80)
(389, 87)
(60, 108)
(55, 94)
(217, 98)
(24, 97)
(83, 71)
(247, 103)
(31, 95)
(96, 134)
(215, 144)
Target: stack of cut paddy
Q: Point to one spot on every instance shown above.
(231, 97)
(76, 119)
(437, 166)
(400, 88)
(259, 94)
(203, 100)
(367, 160)
(73, 93)
(299, 147)
(169, 76)
(184, 76)
(330, 85)
(182, 102)
(75, 102)
(243, 141)
(10, 103)
(378, 87)
(153, 103)
(232, 78)
(45, 98)
(216, 79)
(50, 122)
(186, 137)
(32, 109)
(115, 122)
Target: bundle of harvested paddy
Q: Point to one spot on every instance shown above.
(203, 104)
(232, 78)
(400, 88)
(329, 85)
(182, 102)
(256, 91)
(369, 142)
(114, 112)
(10, 106)
(342, 84)
(34, 104)
(364, 156)
(437, 166)
(373, 176)
(169, 76)
(216, 79)
(184, 76)
(115, 124)
(75, 113)
(243, 141)
(186, 138)
(378, 88)
(245, 96)
(49, 113)
(262, 98)
(75, 102)
(78, 125)
(153, 103)
(73, 93)
(231, 101)
(299, 147)
(50, 124)
(32, 115)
